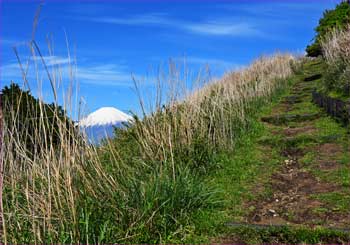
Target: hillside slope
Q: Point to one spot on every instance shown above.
(289, 182)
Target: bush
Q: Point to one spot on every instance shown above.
(20, 107)
(337, 18)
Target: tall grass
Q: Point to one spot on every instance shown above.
(143, 186)
(213, 115)
(41, 179)
(336, 51)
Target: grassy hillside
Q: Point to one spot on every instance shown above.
(247, 158)
(148, 185)
(289, 180)
(218, 164)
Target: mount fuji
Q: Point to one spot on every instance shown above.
(100, 124)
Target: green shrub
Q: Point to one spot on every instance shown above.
(337, 18)
(22, 109)
(337, 79)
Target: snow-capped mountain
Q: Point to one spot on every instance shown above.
(100, 123)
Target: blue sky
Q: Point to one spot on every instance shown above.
(113, 39)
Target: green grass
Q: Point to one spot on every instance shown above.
(243, 170)
(289, 235)
(327, 126)
(188, 194)
(258, 156)
(305, 107)
(239, 172)
(308, 158)
(236, 173)
(338, 95)
(336, 201)
(340, 176)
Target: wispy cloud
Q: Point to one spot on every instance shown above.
(146, 19)
(12, 71)
(224, 29)
(99, 74)
(108, 74)
(217, 27)
(11, 42)
(52, 60)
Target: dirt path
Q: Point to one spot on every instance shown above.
(311, 186)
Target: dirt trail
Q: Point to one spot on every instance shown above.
(294, 188)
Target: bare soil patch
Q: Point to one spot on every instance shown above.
(291, 201)
(300, 130)
(326, 155)
(281, 108)
(329, 149)
(328, 165)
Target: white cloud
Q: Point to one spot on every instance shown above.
(210, 27)
(147, 19)
(224, 29)
(11, 42)
(52, 60)
(100, 74)
(110, 74)
(106, 74)
(10, 71)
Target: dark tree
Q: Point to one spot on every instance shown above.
(36, 123)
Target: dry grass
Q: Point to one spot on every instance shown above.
(43, 181)
(71, 192)
(336, 46)
(214, 113)
(336, 51)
